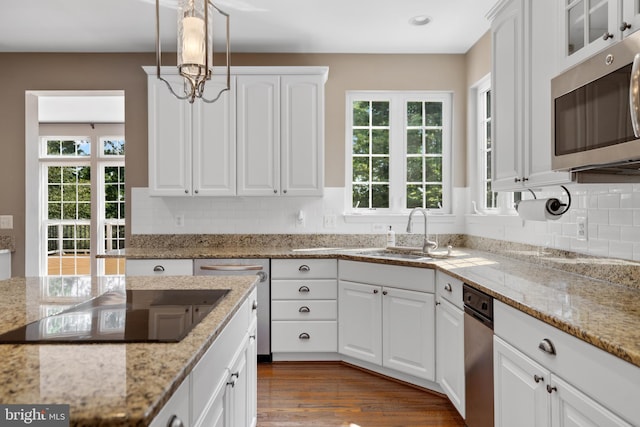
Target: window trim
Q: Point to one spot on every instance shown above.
(397, 132)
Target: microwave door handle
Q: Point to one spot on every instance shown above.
(634, 95)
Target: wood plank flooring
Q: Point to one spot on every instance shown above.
(331, 394)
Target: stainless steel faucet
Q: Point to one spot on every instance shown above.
(428, 245)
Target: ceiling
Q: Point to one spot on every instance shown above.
(288, 26)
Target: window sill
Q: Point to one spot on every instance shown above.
(396, 217)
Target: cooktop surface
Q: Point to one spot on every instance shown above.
(117, 317)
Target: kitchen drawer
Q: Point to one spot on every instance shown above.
(449, 288)
(311, 336)
(395, 276)
(304, 310)
(159, 267)
(304, 289)
(606, 378)
(304, 268)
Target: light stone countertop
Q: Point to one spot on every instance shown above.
(603, 313)
(104, 384)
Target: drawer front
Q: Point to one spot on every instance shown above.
(159, 267)
(449, 288)
(304, 289)
(304, 268)
(312, 336)
(304, 310)
(395, 276)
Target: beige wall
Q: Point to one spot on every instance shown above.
(479, 59)
(24, 72)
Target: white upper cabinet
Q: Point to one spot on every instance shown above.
(265, 137)
(191, 146)
(588, 26)
(281, 134)
(522, 69)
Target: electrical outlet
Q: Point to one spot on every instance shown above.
(6, 222)
(178, 220)
(329, 221)
(581, 229)
(378, 228)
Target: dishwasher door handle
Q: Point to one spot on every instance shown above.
(231, 267)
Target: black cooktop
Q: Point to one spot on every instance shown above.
(117, 317)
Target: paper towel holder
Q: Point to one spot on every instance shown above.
(555, 203)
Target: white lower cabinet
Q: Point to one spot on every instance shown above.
(574, 385)
(221, 391)
(450, 340)
(388, 325)
(303, 308)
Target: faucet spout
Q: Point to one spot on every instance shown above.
(427, 245)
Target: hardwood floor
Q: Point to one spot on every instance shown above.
(331, 394)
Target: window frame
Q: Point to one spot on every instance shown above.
(398, 148)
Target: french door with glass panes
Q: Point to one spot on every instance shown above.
(83, 201)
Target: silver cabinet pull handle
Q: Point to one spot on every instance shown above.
(262, 276)
(304, 309)
(634, 96)
(538, 379)
(304, 336)
(158, 268)
(447, 287)
(174, 421)
(303, 289)
(304, 267)
(547, 346)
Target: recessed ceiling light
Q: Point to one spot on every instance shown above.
(419, 20)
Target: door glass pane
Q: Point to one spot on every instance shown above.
(598, 19)
(575, 27)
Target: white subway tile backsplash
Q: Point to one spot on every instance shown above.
(609, 201)
(620, 249)
(630, 234)
(621, 217)
(598, 216)
(608, 232)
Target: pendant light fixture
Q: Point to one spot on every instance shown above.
(195, 48)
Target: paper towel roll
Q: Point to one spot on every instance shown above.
(540, 209)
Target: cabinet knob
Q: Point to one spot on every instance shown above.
(547, 346)
(254, 306)
(625, 26)
(304, 309)
(275, 191)
(606, 36)
(196, 191)
(551, 389)
(284, 191)
(303, 289)
(158, 268)
(437, 302)
(538, 378)
(384, 292)
(447, 287)
(186, 191)
(375, 291)
(304, 267)
(175, 421)
(304, 336)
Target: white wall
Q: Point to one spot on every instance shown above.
(613, 222)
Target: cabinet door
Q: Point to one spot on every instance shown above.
(169, 139)
(521, 398)
(450, 352)
(508, 100)
(252, 378)
(258, 138)
(167, 321)
(630, 17)
(214, 148)
(408, 332)
(302, 135)
(587, 26)
(540, 66)
(572, 408)
(360, 326)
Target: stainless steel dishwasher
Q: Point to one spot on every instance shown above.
(478, 357)
(234, 267)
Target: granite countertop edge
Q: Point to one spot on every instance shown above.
(541, 280)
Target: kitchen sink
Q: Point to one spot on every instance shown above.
(384, 253)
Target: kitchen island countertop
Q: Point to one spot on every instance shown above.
(104, 384)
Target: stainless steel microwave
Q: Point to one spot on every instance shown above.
(596, 113)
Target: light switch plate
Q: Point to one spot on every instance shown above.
(581, 229)
(6, 222)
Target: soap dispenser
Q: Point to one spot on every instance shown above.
(391, 237)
